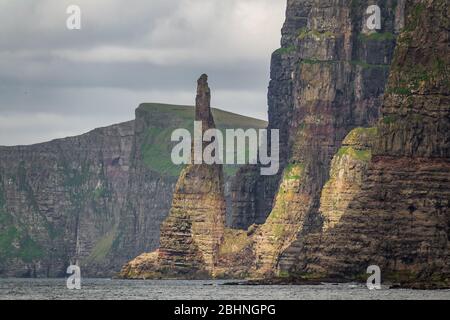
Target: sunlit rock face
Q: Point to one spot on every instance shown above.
(327, 79)
(194, 230)
(387, 202)
(365, 181)
(191, 236)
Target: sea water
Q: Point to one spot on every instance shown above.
(106, 289)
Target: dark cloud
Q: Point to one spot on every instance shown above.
(55, 82)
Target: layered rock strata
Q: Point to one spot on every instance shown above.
(61, 202)
(390, 205)
(332, 71)
(98, 199)
(325, 47)
(194, 230)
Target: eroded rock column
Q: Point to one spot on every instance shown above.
(192, 233)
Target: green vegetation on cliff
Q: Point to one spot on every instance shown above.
(286, 50)
(366, 65)
(363, 155)
(164, 119)
(360, 137)
(293, 171)
(234, 241)
(416, 12)
(16, 243)
(305, 33)
(359, 63)
(376, 36)
(103, 247)
(357, 144)
(14, 239)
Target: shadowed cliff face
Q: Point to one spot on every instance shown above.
(61, 201)
(67, 201)
(387, 202)
(99, 198)
(327, 79)
(203, 104)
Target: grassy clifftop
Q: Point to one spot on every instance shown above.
(162, 119)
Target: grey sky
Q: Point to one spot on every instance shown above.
(56, 82)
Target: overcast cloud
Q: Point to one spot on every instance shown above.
(56, 82)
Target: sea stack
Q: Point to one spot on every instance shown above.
(192, 233)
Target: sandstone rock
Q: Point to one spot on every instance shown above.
(327, 79)
(235, 255)
(397, 214)
(99, 198)
(194, 230)
(348, 168)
